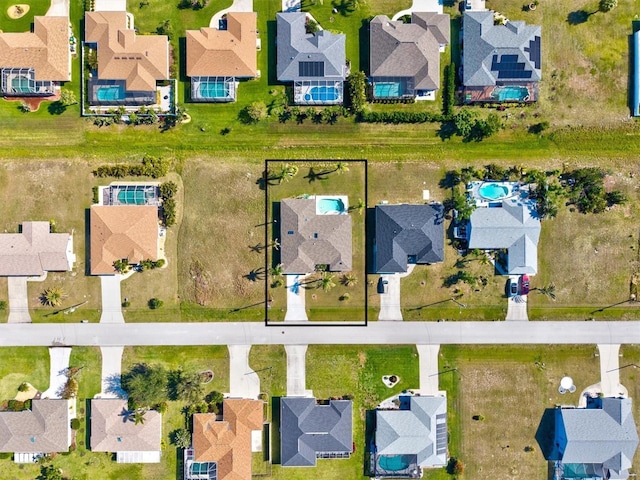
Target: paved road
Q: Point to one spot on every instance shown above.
(18, 300)
(377, 333)
(243, 381)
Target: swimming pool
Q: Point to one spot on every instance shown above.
(394, 463)
(387, 89)
(511, 93)
(213, 90)
(326, 206)
(132, 197)
(110, 93)
(21, 84)
(322, 94)
(494, 191)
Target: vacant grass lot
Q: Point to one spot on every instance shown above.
(508, 388)
(323, 305)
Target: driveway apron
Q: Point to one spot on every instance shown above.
(243, 381)
(18, 300)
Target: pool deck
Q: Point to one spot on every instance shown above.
(484, 94)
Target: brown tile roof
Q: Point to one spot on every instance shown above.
(315, 239)
(122, 231)
(139, 60)
(228, 442)
(113, 430)
(44, 429)
(34, 251)
(46, 50)
(218, 53)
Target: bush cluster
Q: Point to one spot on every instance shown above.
(356, 92)
(150, 166)
(18, 406)
(149, 264)
(96, 193)
(400, 117)
(449, 95)
(167, 193)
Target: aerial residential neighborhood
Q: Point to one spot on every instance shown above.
(319, 239)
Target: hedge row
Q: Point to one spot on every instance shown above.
(167, 192)
(400, 117)
(150, 166)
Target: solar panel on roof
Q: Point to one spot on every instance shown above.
(534, 51)
(311, 69)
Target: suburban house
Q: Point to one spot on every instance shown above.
(597, 442)
(309, 238)
(410, 438)
(221, 449)
(29, 434)
(35, 251)
(315, 63)
(123, 232)
(310, 430)
(33, 64)
(113, 429)
(511, 224)
(405, 57)
(217, 59)
(408, 234)
(500, 63)
(127, 69)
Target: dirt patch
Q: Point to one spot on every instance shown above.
(18, 11)
(34, 102)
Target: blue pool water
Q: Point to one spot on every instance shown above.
(322, 94)
(517, 94)
(394, 463)
(387, 89)
(494, 191)
(330, 205)
(111, 93)
(214, 90)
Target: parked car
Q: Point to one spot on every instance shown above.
(512, 287)
(524, 284)
(467, 5)
(383, 285)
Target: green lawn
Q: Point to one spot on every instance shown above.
(22, 24)
(23, 364)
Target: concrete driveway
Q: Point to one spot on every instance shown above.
(236, 6)
(429, 378)
(111, 299)
(296, 295)
(610, 371)
(390, 301)
(58, 8)
(18, 300)
(420, 6)
(59, 362)
(111, 373)
(243, 381)
(297, 371)
(517, 309)
(110, 6)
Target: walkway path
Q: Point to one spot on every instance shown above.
(610, 371)
(420, 6)
(429, 378)
(59, 362)
(517, 309)
(296, 303)
(297, 371)
(243, 381)
(18, 300)
(236, 6)
(376, 333)
(111, 373)
(111, 299)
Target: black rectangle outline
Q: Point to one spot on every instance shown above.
(366, 246)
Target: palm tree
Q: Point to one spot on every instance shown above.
(277, 271)
(288, 172)
(275, 244)
(53, 296)
(349, 280)
(359, 207)
(326, 282)
(138, 416)
(341, 167)
(549, 291)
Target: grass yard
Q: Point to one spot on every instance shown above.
(321, 178)
(23, 364)
(511, 390)
(22, 24)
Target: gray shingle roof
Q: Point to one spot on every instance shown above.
(295, 46)
(485, 42)
(307, 239)
(409, 50)
(412, 430)
(44, 429)
(307, 428)
(403, 230)
(604, 437)
(515, 226)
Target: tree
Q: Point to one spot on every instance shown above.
(287, 173)
(254, 112)
(341, 167)
(277, 271)
(138, 416)
(188, 386)
(349, 280)
(49, 472)
(358, 207)
(155, 303)
(181, 438)
(326, 282)
(122, 265)
(53, 296)
(357, 86)
(67, 98)
(463, 121)
(145, 384)
(607, 5)
(165, 28)
(455, 467)
(549, 291)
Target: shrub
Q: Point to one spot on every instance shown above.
(15, 405)
(398, 117)
(168, 190)
(24, 107)
(75, 424)
(155, 303)
(96, 192)
(3, 305)
(23, 387)
(70, 389)
(449, 95)
(455, 466)
(253, 113)
(126, 304)
(357, 91)
(181, 438)
(122, 265)
(67, 98)
(159, 263)
(169, 212)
